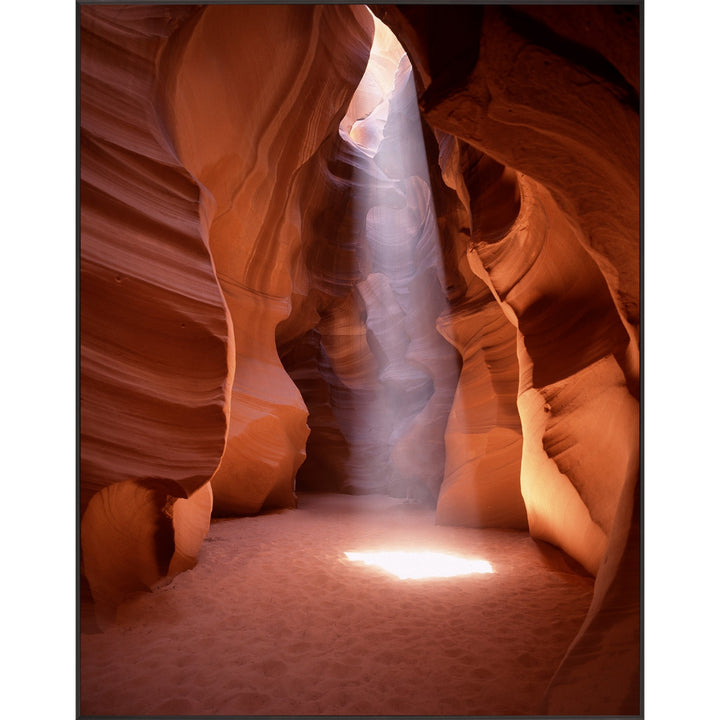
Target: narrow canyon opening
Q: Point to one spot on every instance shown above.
(378, 405)
(359, 360)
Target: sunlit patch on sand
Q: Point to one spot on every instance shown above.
(419, 565)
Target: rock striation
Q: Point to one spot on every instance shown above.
(186, 249)
(155, 358)
(244, 141)
(547, 164)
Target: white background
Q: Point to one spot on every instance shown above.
(37, 485)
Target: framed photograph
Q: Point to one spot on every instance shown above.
(359, 358)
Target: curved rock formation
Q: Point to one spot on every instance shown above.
(327, 449)
(568, 333)
(244, 141)
(155, 348)
(185, 249)
(481, 486)
(485, 78)
(134, 535)
(558, 117)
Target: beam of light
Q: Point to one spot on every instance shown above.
(421, 565)
(396, 433)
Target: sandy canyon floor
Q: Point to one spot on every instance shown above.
(276, 620)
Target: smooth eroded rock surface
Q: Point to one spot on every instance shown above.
(551, 98)
(239, 116)
(155, 343)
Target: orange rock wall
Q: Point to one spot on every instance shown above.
(239, 116)
(154, 360)
(155, 346)
(550, 97)
(188, 231)
(483, 438)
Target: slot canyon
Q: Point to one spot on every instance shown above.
(359, 279)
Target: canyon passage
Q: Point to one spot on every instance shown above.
(357, 280)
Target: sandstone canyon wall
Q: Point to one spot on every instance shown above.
(155, 351)
(182, 386)
(544, 105)
(280, 280)
(243, 127)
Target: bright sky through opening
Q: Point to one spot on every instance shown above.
(421, 565)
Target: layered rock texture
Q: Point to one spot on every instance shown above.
(291, 275)
(543, 106)
(181, 381)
